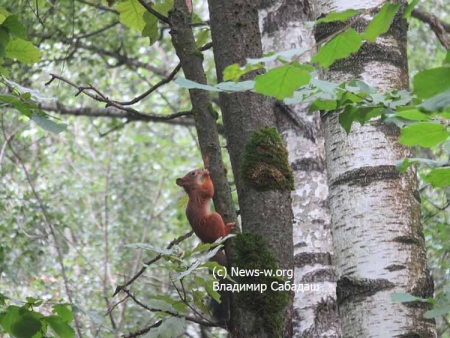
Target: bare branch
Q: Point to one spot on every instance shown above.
(153, 88)
(440, 28)
(147, 264)
(174, 314)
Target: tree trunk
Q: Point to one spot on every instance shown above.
(315, 313)
(375, 212)
(236, 36)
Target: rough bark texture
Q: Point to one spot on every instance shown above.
(191, 61)
(315, 313)
(377, 236)
(236, 36)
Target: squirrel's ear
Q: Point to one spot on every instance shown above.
(180, 182)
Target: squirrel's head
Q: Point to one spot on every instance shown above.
(192, 179)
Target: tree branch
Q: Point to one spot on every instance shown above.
(147, 264)
(440, 28)
(179, 118)
(155, 13)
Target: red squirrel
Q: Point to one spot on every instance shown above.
(206, 225)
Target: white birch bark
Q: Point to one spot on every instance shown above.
(377, 237)
(282, 25)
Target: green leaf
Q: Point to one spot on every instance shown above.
(4, 37)
(438, 311)
(403, 297)
(210, 289)
(23, 51)
(185, 83)
(439, 177)
(234, 72)
(15, 26)
(319, 104)
(409, 8)
(235, 86)
(281, 82)
(437, 103)
(381, 22)
(286, 55)
(338, 48)
(3, 14)
(412, 114)
(63, 311)
(132, 14)
(407, 162)
(21, 323)
(430, 82)
(151, 27)
(149, 247)
(45, 123)
(169, 328)
(61, 327)
(338, 16)
(347, 117)
(424, 134)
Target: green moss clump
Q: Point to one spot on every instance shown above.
(265, 164)
(251, 253)
(213, 112)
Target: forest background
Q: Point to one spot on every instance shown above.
(109, 181)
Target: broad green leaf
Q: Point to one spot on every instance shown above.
(430, 82)
(210, 289)
(15, 26)
(381, 22)
(407, 162)
(412, 114)
(21, 323)
(439, 177)
(236, 86)
(3, 14)
(365, 114)
(409, 8)
(161, 305)
(424, 134)
(131, 14)
(23, 51)
(185, 83)
(338, 16)
(281, 82)
(45, 123)
(149, 247)
(437, 103)
(403, 297)
(151, 27)
(338, 48)
(286, 55)
(151, 22)
(4, 38)
(63, 311)
(61, 328)
(234, 72)
(438, 311)
(169, 328)
(347, 117)
(319, 104)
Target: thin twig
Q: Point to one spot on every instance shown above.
(157, 258)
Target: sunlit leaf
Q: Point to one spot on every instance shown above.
(338, 48)
(424, 134)
(381, 22)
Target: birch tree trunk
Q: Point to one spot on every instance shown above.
(315, 313)
(377, 236)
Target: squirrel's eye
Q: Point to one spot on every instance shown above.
(193, 173)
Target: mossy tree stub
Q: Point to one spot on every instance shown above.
(265, 164)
